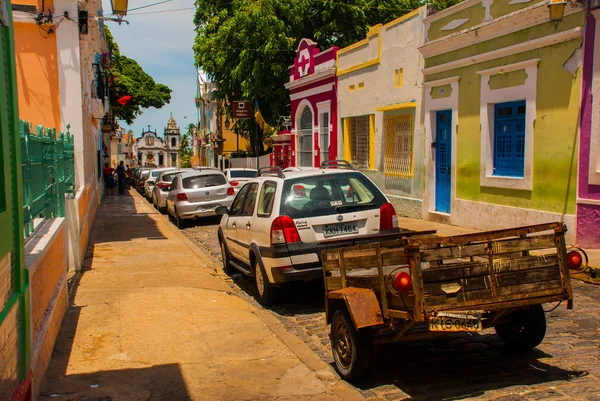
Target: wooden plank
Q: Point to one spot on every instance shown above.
(564, 265)
(393, 256)
(523, 244)
(453, 252)
(524, 263)
(400, 314)
(528, 276)
(342, 268)
(455, 271)
(382, 290)
(417, 278)
(523, 290)
(466, 284)
(333, 283)
(333, 264)
(488, 235)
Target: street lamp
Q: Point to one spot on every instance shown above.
(119, 8)
(556, 9)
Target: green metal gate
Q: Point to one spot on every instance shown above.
(14, 286)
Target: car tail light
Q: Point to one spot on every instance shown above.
(402, 282)
(234, 183)
(182, 197)
(299, 190)
(574, 260)
(230, 191)
(387, 217)
(350, 194)
(283, 230)
(285, 268)
(164, 186)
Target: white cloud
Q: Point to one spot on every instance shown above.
(161, 42)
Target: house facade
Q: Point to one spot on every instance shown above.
(313, 137)
(588, 192)
(502, 91)
(380, 106)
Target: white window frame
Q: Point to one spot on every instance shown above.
(304, 103)
(594, 159)
(322, 108)
(488, 99)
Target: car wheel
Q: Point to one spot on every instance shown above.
(522, 329)
(265, 291)
(179, 222)
(227, 266)
(353, 351)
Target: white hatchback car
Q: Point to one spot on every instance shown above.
(151, 180)
(278, 222)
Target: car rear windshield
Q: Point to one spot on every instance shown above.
(144, 174)
(169, 177)
(201, 181)
(322, 195)
(242, 173)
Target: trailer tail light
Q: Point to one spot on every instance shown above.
(402, 282)
(574, 260)
(164, 186)
(182, 197)
(230, 191)
(284, 231)
(387, 217)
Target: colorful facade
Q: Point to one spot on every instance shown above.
(588, 192)
(380, 105)
(313, 137)
(502, 90)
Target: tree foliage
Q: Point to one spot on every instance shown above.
(185, 146)
(130, 79)
(246, 46)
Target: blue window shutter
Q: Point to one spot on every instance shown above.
(509, 139)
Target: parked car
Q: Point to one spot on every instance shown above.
(141, 178)
(237, 177)
(162, 185)
(275, 224)
(198, 194)
(149, 185)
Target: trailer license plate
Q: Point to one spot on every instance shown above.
(455, 322)
(330, 230)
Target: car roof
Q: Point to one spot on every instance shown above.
(306, 172)
(175, 170)
(241, 169)
(197, 173)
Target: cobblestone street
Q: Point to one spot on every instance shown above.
(475, 367)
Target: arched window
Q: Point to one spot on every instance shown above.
(173, 142)
(305, 137)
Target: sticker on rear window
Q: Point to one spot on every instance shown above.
(336, 203)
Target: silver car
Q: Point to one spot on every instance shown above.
(162, 185)
(149, 185)
(197, 194)
(237, 177)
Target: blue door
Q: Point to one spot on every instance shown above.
(443, 159)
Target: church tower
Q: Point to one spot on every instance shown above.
(172, 143)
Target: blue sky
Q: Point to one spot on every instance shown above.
(161, 42)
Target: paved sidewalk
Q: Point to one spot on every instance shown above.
(149, 321)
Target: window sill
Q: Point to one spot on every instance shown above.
(506, 182)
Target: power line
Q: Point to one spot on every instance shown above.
(163, 11)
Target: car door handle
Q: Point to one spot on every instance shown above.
(248, 225)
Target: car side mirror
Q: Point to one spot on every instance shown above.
(221, 210)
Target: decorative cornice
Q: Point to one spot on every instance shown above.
(510, 67)
(556, 38)
(533, 15)
(329, 72)
(440, 82)
(398, 106)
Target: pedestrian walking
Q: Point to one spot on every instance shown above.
(121, 177)
(109, 179)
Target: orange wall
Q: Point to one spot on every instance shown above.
(48, 4)
(37, 75)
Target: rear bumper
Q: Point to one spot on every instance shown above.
(187, 210)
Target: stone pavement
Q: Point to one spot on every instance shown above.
(150, 321)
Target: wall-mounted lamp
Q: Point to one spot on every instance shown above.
(119, 9)
(556, 9)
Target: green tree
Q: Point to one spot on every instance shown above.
(185, 146)
(130, 79)
(246, 46)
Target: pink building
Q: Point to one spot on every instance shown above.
(313, 137)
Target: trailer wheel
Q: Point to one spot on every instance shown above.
(353, 351)
(523, 329)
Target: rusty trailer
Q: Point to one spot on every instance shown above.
(422, 286)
